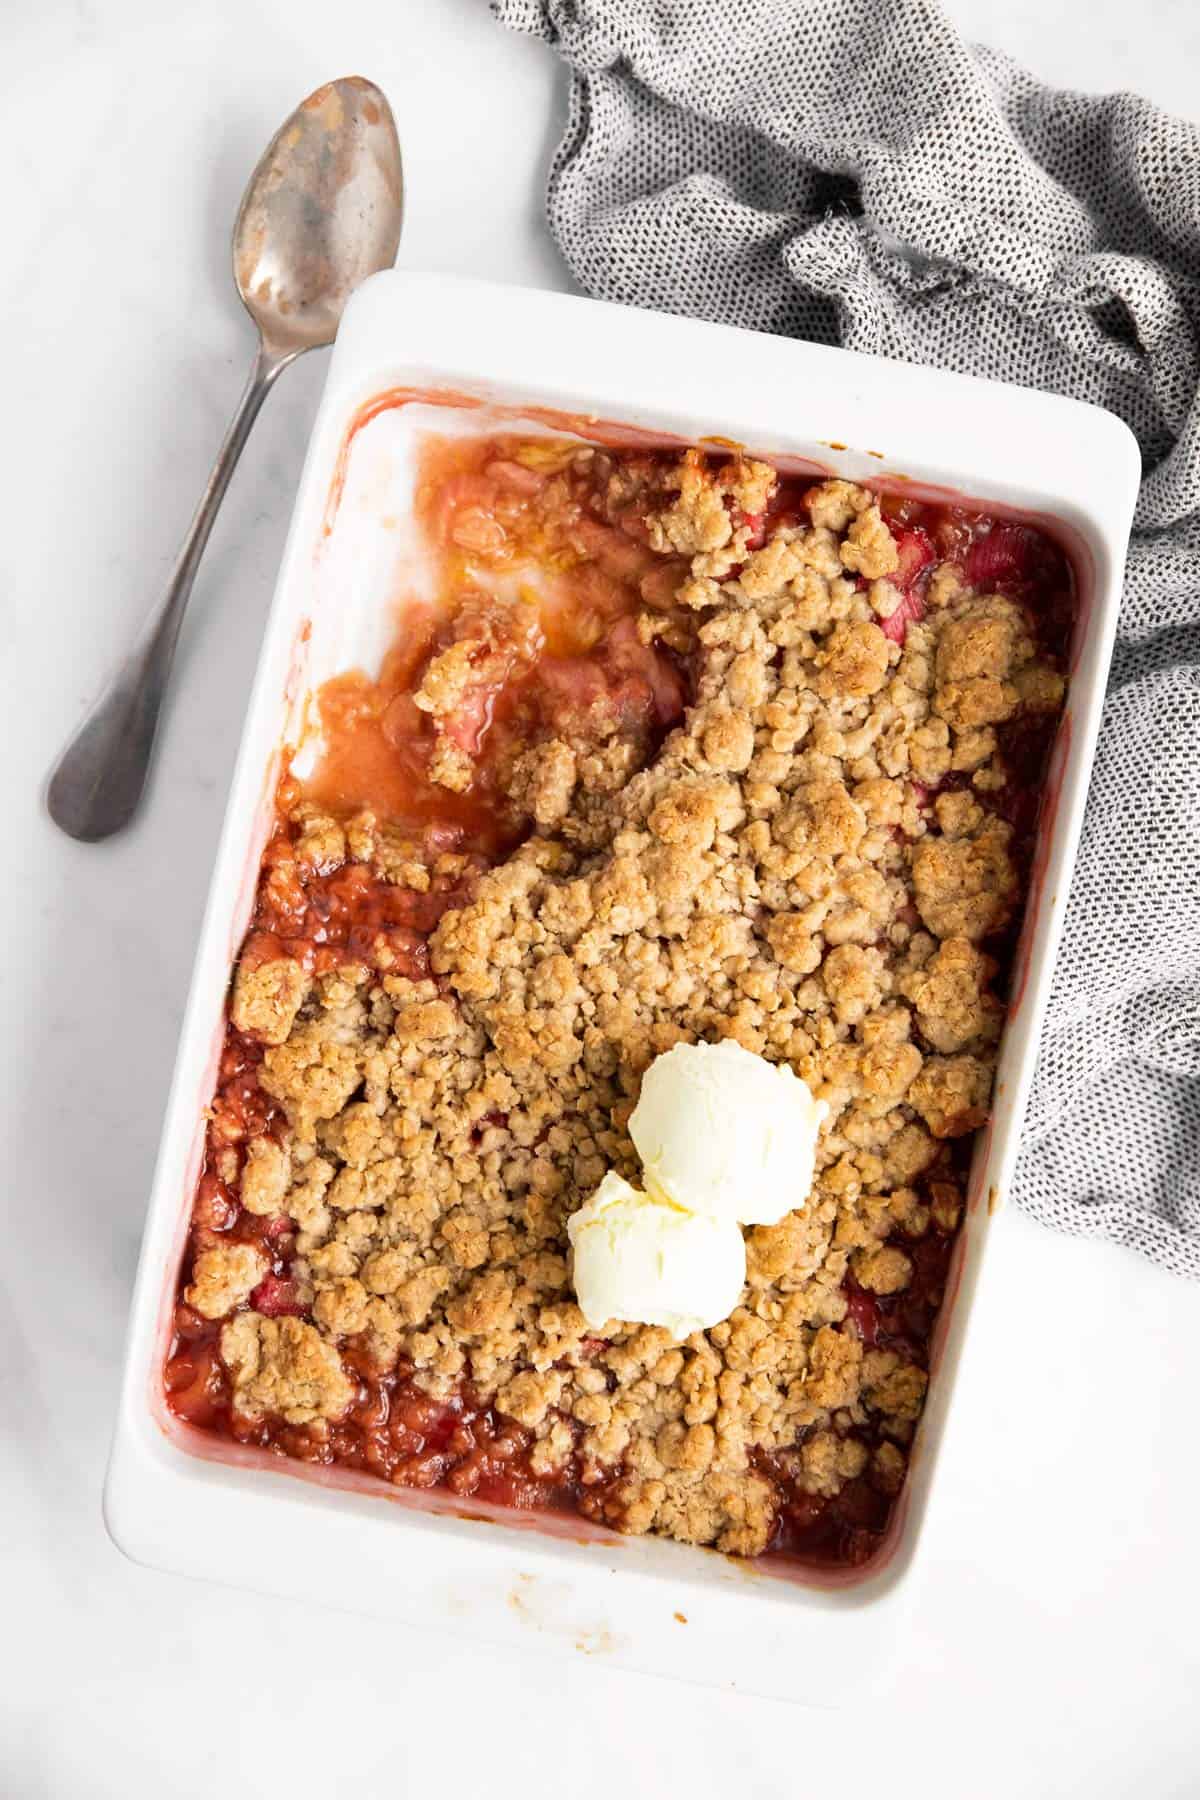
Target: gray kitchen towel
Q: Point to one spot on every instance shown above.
(851, 171)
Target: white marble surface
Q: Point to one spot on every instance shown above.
(1054, 1650)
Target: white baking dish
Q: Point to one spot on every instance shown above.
(183, 1501)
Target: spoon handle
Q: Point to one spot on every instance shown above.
(98, 781)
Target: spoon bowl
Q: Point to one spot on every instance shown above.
(322, 211)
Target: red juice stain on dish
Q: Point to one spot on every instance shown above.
(538, 655)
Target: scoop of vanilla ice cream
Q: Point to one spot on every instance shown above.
(724, 1132)
(644, 1261)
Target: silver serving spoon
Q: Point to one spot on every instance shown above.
(322, 212)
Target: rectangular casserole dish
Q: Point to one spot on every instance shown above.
(470, 353)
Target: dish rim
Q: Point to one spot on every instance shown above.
(1079, 468)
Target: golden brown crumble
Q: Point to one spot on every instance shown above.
(777, 876)
(320, 842)
(965, 887)
(868, 547)
(284, 1366)
(267, 998)
(951, 1094)
(265, 1177)
(223, 1277)
(949, 991)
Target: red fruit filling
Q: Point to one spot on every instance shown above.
(587, 652)
(1003, 556)
(276, 1297)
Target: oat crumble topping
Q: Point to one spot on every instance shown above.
(816, 863)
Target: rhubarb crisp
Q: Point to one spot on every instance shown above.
(674, 748)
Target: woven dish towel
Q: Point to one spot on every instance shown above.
(850, 171)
